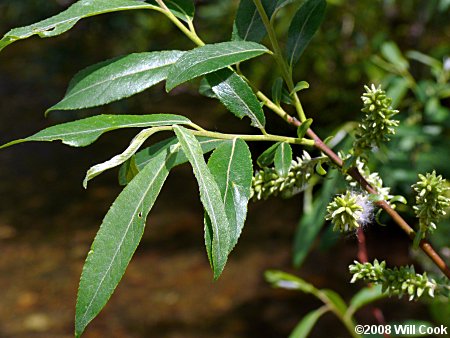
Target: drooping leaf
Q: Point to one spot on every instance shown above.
(237, 96)
(365, 296)
(304, 327)
(209, 58)
(248, 24)
(303, 27)
(182, 9)
(268, 156)
(144, 156)
(283, 159)
(285, 280)
(65, 20)
(231, 166)
(117, 160)
(83, 132)
(118, 238)
(116, 79)
(211, 199)
(300, 86)
(128, 171)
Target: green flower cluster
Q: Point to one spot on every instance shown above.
(377, 124)
(395, 282)
(348, 212)
(431, 201)
(267, 182)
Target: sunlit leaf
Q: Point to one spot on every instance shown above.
(65, 20)
(231, 166)
(237, 96)
(118, 238)
(303, 27)
(283, 159)
(304, 327)
(116, 79)
(209, 58)
(211, 199)
(83, 132)
(365, 296)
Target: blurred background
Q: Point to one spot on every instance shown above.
(48, 221)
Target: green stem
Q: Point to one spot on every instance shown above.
(189, 32)
(278, 55)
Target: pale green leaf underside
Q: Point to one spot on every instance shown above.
(209, 58)
(118, 238)
(115, 79)
(231, 166)
(283, 159)
(65, 20)
(211, 199)
(83, 132)
(144, 156)
(237, 96)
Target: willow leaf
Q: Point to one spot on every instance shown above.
(65, 20)
(283, 159)
(211, 199)
(231, 166)
(83, 132)
(209, 58)
(237, 96)
(116, 79)
(118, 238)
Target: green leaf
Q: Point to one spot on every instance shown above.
(128, 171)
(335, 300)
(144, 156)
(365, 296)
(117, 160)
(65, 20)
(116, 79)
(182, 9)
(268, 156)
(303, 27)
(209, 58)
(283, 159)
(231, 166)
(277, 89)
(83, 132)
(313, 220)
(304, 327)
(118, 238)
(205, 89)
(393, 54)
(285, 280)
(211, 200)
(300, 86)
(248, 24)
(303, 128)
(237, 96)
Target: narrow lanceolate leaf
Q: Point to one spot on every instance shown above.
(248, 24)
(231, 166)
(283, 159)
(117, 239)
(117, 160)
(65, 20)
(211, 198)
(303, 27)
(116, 79)
(209, 58)
(83, 132)
(128, 171)
(304, 327)
(237, 96)
(182, 9)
